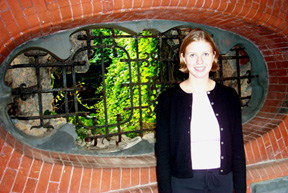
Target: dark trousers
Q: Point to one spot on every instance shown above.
(204, 181)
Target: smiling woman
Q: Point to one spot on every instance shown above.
(210, 113)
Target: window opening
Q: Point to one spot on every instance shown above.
(109, 86)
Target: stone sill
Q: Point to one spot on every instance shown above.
(139, 155)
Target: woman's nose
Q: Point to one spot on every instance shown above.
(199, 60)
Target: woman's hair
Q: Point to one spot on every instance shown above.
(197, 35)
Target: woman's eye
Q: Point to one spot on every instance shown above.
(206, 54)
(192, 55)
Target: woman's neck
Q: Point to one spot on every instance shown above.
(197, 85)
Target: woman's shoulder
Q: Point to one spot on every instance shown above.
(226, 89)
(169, 92)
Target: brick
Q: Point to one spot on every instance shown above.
(249, 153)
(107, 6)
(16, 9)
(270, 171)
(164, 3)
(15, 33)
(3, 6)
(222, 7)
(56, 172)
(7, 17)
(87, 10)
(75, 2)
(115, 179)
(66, 13)
(42, 184)
(4, 35)
(86, 180)
(153, 177)
(7, 180)
(76, 179)
(118, 5)
(35, 169)
(22, 174)
(256, 151)
(147, 4)
(4, 51)
(46, 22)
(137, 4)
(156, 4)
(125, 178)
(277, 170)
(25, 3)
(5, 157)
(53, 187)
(40, 6)
(237, 9)
(282, 149)
(144, 176)
(135, 176)
(262, 148)
(283, 80)
(33, 23)
(64, 3)
(255, 175)
(174, 3)
(53, 6)
(56, 19)
(183, 3)
(29, 11)
(30, 185)
(199, 4)
(65, 179)
(270, 152)
(2, 142)
(277, 133)
(96, 179)
(15, 160)
(106, 180)
(263, 173)
(24, 28)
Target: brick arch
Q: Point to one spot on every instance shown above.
(263, 22)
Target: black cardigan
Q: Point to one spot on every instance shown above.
(173, 135)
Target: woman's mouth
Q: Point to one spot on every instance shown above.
(200, 68)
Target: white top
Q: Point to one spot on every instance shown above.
(205, 134)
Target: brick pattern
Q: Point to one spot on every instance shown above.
(272, 145)
(18, 173)
(262, 22)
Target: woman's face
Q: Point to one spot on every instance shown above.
(199, 57)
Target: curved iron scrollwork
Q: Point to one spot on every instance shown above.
(61, 80)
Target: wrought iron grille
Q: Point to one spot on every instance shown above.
(110, 84)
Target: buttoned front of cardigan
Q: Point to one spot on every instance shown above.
(173, 135)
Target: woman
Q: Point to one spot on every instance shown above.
(199, 141)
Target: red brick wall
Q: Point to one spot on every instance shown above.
(264, 22)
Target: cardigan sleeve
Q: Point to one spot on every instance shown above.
(162, 146)
(239, 165)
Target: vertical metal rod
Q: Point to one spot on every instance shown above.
(139, 84)
(104, 84)
(39, 86)
(65, 92)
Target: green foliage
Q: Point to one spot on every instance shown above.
(119, 96)
(126, 79)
